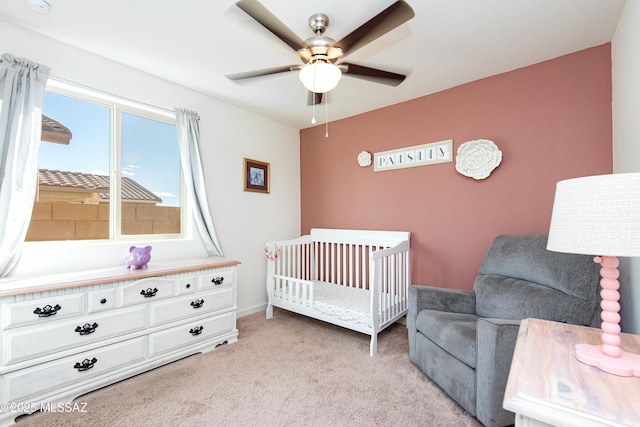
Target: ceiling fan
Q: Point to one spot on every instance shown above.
(320, 71)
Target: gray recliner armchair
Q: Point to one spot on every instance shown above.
(464, 340)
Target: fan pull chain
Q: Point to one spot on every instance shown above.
(326, 115)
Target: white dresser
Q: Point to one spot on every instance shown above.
(66, 335)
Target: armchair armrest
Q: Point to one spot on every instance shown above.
(496, 341)
(433, 298)
(441, 299)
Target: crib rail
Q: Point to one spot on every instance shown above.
(391, 276)
(293, 258)
(289, 271)
(295, 291)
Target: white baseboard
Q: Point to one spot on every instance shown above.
(251, 310)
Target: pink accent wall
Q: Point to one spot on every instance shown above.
(551, 120)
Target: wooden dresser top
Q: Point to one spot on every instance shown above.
(23, 285)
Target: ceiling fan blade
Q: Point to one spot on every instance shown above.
(263, 72)
(265, 18)
(390, 18)
(312, 101)
(372, 74)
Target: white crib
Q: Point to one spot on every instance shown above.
(356, 279)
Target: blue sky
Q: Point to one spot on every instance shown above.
(150, 153)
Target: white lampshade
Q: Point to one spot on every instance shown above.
(597, 215)
(320, 77)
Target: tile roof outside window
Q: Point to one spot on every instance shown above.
(131, 190)
(54, 131)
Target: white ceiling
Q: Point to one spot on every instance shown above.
(197, 42)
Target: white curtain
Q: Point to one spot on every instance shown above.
(189, 140)
(22, 85)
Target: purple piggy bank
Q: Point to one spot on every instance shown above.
(138, 257)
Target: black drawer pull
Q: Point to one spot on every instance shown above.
(47, 310)
(197, 330)
(103, 301)
(86, 329)
(197, 303)
(217, 280)
(85, 365)
(148, 293)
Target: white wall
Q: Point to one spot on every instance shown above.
(625, 54)
(244, 221)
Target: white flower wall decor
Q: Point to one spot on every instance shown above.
(477, 159)
(364, 159)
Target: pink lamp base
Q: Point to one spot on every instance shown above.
(627, 365)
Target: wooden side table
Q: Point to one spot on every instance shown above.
(548, 386)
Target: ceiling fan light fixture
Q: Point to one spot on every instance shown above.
(320, 76)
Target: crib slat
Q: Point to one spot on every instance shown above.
(394, 286)
(335, 261)
(304, 295)
(345, 264)
(319, 262)
(303, 261)
(297, 260)
(365, 257)
(327, 248)
(357, 251)
(384, 278)
(350, 268)
(316, 262)
(335, 264)
(310, 264)
(326, 274)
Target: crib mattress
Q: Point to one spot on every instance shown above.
(343, 302)
(340, 302)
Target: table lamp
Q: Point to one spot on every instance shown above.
(600, 215)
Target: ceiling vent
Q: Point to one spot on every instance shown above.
(40, 6)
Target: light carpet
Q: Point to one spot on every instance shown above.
(287, 371)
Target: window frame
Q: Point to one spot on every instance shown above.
(118, 105)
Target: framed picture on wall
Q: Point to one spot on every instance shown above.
(256, 176)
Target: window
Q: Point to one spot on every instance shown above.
(119, 151)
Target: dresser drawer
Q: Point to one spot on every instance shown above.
(43, 310)
(190, 306)
(23, 344)
(216, 279)
(147, 290)
(187, 334)
(186, 285)
(21, 385)
(103, 299)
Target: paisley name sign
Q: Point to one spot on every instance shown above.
(418, 155)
